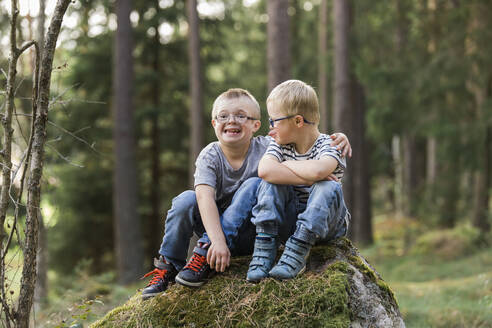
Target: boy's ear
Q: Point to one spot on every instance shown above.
(299, 121)
(256, 125)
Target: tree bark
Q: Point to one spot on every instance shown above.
(342, 91)
(322, 60)
(196, 107)
(410, 179)
(480, 213)
(129, 250)
(278, 44)
(156, 223)
(28, 279)
(362, 225)
(40, 292)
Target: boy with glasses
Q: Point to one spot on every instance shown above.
(219, 209)
(296, 196)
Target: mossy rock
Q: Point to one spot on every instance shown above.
(339, 289)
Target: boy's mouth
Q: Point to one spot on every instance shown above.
(232, 130)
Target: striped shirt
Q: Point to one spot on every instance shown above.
(320, 149)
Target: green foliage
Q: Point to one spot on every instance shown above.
(462, 240)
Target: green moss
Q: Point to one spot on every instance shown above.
(367, 271)
(312, 300)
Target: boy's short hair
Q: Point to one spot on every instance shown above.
(296, 97)
(236, 93)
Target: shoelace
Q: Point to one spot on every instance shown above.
(196, 262)
(158, 276)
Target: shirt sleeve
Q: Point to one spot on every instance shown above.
(328, 150)
(275, 150)
(206, 168)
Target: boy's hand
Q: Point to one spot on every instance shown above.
(218, 256)
(342, 143)
(332, 177)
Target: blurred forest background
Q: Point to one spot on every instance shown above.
(408, 81)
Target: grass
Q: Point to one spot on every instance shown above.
(446, 285)
(441, 278)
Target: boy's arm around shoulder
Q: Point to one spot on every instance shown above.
(313, 170)
(271, 170)
(218, 255)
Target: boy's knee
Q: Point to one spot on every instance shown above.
(185, 200)
(329, 187)
(252, 182)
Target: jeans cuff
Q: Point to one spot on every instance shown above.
(305, 235)
(269, 228)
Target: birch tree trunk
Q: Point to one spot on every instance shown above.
(40, 291)
(28, 279)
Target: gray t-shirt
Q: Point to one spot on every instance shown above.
(213, 169)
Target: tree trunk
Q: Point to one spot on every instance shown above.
(361, 208)
(40, 292)
(431, 167)
(480, 214)
(480, 85)
(278, 45)
(28, 279)
(155, 220)
(398, 184)
(410, 179)
(196, 107)
(128, 235)
(342, 91)
(322, 60)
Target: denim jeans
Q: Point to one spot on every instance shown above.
(183, 219)
(279, 211)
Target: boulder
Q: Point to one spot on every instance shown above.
(339, 289)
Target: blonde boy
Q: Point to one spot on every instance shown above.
(219, 209)
(296, 193)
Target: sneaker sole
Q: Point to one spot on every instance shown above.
(187, 283)
(147, 296)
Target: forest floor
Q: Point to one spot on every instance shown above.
(440, 278)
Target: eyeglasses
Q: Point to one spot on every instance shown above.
(239, 118)
(272, 122)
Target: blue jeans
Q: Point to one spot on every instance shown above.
(279, 211)
(183, 219)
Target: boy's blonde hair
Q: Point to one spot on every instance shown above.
(296, 97)
(236, 93)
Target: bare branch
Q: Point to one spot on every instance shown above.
(76, 137)
(64, 157)
(72, 134)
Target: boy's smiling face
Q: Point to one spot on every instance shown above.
(231, 132)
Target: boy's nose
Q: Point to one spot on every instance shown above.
(231, 117)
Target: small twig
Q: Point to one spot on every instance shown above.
(91, 146)
(55, 99)
(64, 157)
(76, 137)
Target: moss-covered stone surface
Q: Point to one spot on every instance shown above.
(339, 289)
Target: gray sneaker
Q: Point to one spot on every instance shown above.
(263, 258)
